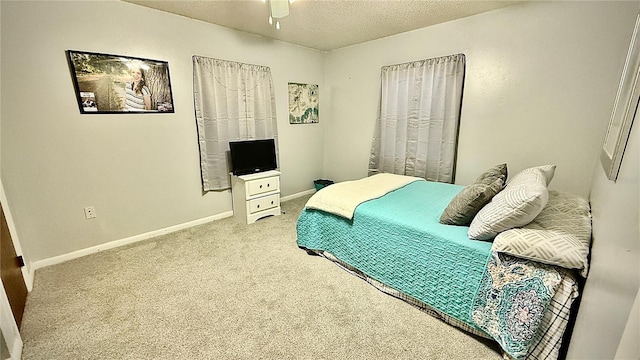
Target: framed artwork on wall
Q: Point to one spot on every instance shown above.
(303, 103)
(107, 84)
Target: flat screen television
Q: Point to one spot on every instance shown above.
(252, 156)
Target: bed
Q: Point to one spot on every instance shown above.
(387, 229)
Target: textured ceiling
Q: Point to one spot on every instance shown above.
(327, 24)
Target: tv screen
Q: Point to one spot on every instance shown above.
(252, 156)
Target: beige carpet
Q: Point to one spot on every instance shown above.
(224, 290)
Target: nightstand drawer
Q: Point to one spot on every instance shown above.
(260, 186)
(264, 203)
(256, 196)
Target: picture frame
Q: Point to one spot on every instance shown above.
(109, 84)
(303, 103)
(624, 109)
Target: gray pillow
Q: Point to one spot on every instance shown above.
(488, 177)
(464, 206)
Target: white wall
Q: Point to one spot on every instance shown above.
(614, 277)
(629, 348)
(541, 78)
(540, 82)
(140, 171)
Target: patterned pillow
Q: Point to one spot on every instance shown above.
(547, 170)
(560, 235)
(464, 206)
(566, 203)
(518, 204)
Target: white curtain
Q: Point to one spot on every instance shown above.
(233, 101)
(417, 127)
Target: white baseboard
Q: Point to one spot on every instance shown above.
(297, 195)
(133, 239)
(28, 273)
(126, 241)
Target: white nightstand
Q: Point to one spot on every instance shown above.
(256, 196)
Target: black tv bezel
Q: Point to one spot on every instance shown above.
(253, 169)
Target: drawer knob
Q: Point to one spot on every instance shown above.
(268, 185)
(260, 186)
(271, 202)
(258, 206)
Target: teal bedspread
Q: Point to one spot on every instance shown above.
(398, 240)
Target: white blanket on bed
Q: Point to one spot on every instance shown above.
(342, 198)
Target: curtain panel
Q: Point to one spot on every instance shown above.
(416, 130)
(233, 102)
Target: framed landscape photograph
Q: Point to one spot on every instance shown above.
(106, 84)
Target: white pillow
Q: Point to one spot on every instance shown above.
(547, 170)
(560, 235)
(518, 204)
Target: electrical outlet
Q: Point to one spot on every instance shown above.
(90, 212)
